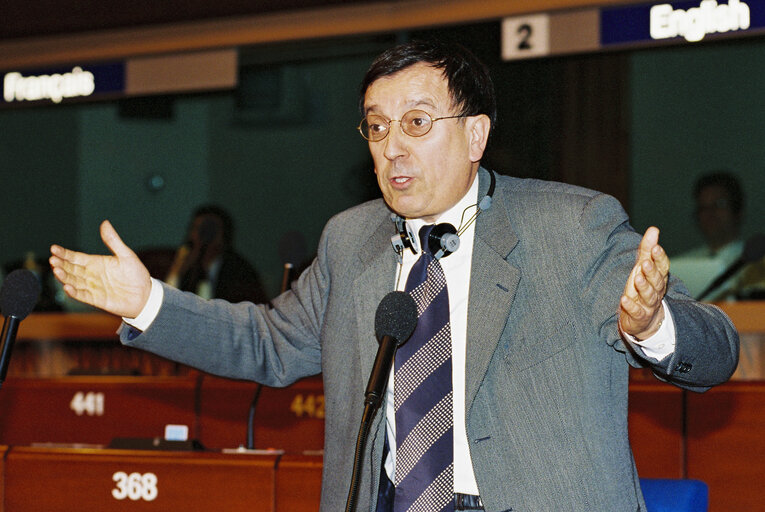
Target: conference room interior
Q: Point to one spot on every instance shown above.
(281, 152)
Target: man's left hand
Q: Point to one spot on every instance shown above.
(640, 309)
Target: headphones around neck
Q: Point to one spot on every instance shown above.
(444, 238)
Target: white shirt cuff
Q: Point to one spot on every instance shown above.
(662, 343)
(150, 309)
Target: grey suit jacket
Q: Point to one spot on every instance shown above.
(547, 372)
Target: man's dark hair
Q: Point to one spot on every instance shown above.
(468, 79)
(727, 181)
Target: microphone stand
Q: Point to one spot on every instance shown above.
(254, 403)
(10, 328)
(395, 321)
(251, 418)
(373, 399)
(370, 408)
(286, 276)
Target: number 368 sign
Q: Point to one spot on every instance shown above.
(525, 36)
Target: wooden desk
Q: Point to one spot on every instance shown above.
(726, 444)
(57, 344)
(93, 409)
(656, 429)
(289, 419)
(298, 483)
(749, 319)
(63, 480)
(3, 451)
(747, 316)
(722, 442)
(69, 326)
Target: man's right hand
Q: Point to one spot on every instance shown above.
(119, 284)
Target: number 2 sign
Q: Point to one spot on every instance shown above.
(525, 36)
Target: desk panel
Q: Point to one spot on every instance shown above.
(62, 326)
(3, 451)
(656, 429)
(63, 480)
(289, 419)
(298, 483)
(60, 344)
(726, 445)
(93, 409)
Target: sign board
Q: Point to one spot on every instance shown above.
(640, 25)
(139, 76)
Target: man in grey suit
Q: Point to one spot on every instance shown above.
(552, 295)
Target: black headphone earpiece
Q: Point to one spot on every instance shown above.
(443, 240)
(404, 237)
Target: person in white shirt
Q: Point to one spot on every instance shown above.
(719, 212)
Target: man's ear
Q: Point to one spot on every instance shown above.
(478, 128)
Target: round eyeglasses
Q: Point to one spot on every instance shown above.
(414, 123)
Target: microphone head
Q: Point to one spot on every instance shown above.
(754, 248)
(19, 293)
(396, 317)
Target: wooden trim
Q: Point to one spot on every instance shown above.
(747, 316)
(69, 326)
(269, 28)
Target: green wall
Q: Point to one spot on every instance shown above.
(282, 152)
(39, 191)
(278, 164)
(696, 109)
(291, 167)
(118, 155)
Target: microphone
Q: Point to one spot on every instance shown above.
(395, 320)
(754, 250)
(292, 252)
(18, 297)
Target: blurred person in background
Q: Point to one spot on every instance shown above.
(719, 213)
(207, 264)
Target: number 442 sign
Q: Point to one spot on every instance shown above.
(525, 36)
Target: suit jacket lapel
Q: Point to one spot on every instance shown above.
(493, 283)
(374, 281)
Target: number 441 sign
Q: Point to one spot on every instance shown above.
(525, 36)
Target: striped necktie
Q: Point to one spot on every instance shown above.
(423, 395)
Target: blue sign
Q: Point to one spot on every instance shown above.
(689, 21)
(63, 83)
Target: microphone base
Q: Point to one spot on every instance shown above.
(136, 443)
